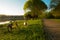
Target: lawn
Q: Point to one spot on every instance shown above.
(57, 20)
(33, 31)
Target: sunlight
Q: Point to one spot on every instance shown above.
(4, 22)
(9, 7)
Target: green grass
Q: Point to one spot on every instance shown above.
(57, 20)
(31, 32)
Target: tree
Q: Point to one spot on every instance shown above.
(54, 3)
(29, 15)
(56, 11)
(36, 7)
(49, 15)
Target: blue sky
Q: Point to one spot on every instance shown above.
(14, 7)
(47, 2)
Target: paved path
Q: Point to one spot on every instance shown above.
(52, 29)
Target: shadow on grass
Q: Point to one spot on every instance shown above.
(31, 32)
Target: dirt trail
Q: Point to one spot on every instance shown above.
(52, 29)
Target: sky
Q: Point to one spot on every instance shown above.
(47, 2)
(14, 7)
(11, 7)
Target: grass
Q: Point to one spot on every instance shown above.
(31, 32)
(57, 20)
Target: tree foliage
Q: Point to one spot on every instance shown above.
(29, 15)
(35, 6)
(54, 3)
(56, 10)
